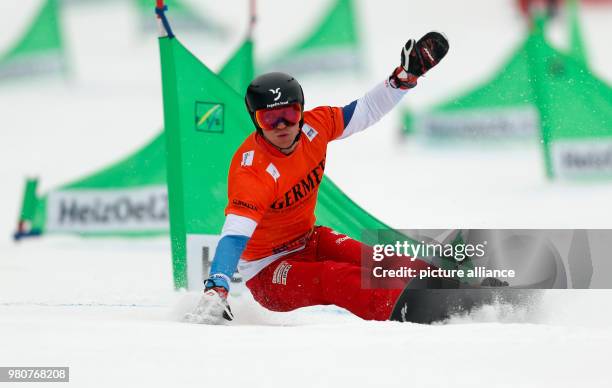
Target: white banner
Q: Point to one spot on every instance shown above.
(200, 252)
(117, 210)
(483, 124)
(32, 64)
(582, 158)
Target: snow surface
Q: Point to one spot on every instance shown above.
(106, 307)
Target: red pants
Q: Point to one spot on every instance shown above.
(327, 271)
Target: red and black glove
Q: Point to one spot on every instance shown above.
(418, 58)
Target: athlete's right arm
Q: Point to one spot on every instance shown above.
(237, 231)
(249, 194)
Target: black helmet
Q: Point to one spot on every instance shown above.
(273, 90)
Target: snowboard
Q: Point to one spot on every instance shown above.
(427, 301)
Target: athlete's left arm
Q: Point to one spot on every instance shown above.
(416, 59)
(366, 111)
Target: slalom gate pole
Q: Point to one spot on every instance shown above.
(162, 21)
(253, 17)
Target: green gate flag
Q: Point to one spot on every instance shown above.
(239, 70)
(334, 44)
(501, 109)
(128, 198)
(40, 50)
(184, 18)
(199, 158)
(576, 113)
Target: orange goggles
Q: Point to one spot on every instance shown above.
(269, 119)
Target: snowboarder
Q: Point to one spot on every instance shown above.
(269, 232)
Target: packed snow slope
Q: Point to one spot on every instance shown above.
(106, 307)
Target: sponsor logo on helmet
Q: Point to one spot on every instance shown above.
(286, 102)
(277, 92)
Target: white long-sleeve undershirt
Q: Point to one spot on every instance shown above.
(371, 108)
